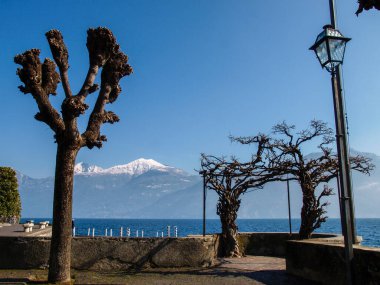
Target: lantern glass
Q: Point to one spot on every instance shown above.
(337, 47)
(322, 54)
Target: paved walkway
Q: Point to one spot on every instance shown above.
(17, 230)
(231, 271)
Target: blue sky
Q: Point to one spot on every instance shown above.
(203, 69)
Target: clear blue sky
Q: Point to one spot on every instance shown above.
(203, 69)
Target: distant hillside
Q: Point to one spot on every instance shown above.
(148, 189)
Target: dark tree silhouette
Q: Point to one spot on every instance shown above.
(285, 155)
(231, 179)
(367, 5)
(41, 80)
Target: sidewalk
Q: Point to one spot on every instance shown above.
(17, 230)
(234, 271)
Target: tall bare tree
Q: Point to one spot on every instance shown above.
(41, 80)
(367, 5)
(285, 155)
(230, 179)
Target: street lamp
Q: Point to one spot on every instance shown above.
(329, 47)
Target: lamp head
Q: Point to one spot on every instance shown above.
(329, 47)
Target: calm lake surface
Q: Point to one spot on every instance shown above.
(369, 229)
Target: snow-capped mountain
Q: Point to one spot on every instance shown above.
(119, 191)
(134, 168)
(146, 188)
(85, 168)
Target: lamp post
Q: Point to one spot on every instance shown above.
(330, 47)
(289, 213)
(203, 173)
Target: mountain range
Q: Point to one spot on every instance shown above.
(145, 188)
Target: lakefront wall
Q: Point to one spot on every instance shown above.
(113, 253)
(320, 259)
(100, 253)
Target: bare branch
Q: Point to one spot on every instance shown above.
(91, 137)
(116, 68)
(284, 129)
(61, 57)
(317, 129)
(362, 164)
(101, 45)
(40, 80)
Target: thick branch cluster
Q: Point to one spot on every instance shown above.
(367, 5)
(73, 107)
(31, 72)
(41, 80)
(285, 153)
(235, 177)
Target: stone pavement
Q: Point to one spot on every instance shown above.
(231, 271)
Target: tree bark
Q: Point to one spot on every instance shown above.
(308, 213)
(227, 211)
(60, 248)
(306, 227)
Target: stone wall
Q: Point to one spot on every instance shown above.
(324, 261)
(101, 253)
(268, 244)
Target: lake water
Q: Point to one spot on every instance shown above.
(369, 229)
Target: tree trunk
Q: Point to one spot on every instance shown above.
(60, 249)
(308, 213)
(227, 211)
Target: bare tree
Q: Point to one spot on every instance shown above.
(231, 179)
(41, 80)
(285, 155)
(367, 5)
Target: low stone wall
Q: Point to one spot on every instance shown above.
(324, 261)
(102, 253)
(268, 244)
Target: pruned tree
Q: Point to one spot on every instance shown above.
(230, 179)
(285, 155)
(41, 81)
(10, 203)
(367, 5)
